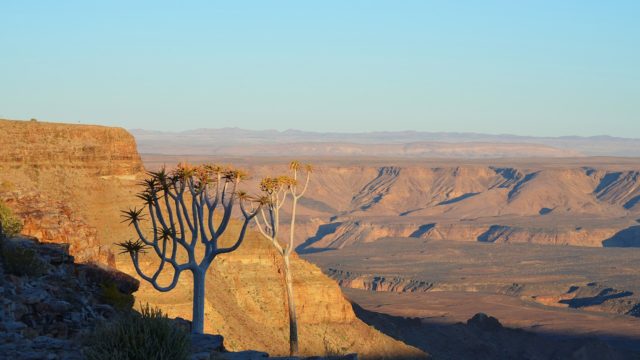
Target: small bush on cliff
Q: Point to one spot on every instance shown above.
(9, 223)
(114, 297)
(139, 336)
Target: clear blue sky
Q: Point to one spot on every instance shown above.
(524, 67)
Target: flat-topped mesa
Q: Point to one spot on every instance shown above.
(103, 150)
(68, 182)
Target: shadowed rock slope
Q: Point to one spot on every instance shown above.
(49, 304)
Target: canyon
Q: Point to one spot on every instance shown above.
(545, 244)
(90, 173)
(548, 246)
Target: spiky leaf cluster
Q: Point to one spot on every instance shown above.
(296, 165)
(132, 247)
(274, 184)
(133, 215)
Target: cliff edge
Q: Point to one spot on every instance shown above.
(92, 171)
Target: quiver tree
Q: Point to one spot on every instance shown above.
(276, 190)
(189, 210)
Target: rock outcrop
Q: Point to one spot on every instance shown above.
(100, 150)
(48, 303)
(54, 222)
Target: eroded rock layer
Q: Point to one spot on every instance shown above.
(582, 202)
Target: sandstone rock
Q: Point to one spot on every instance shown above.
(484, 322)
(100, 274)
(59, 306)
(13, 326)
(206, 343)
(50, 343)
(52, 221)
(183, 324)
(99, 149)
(242, 355)
(33, 295)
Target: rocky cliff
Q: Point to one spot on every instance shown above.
(100, 150)
(91, 184)
(68, 182)
(55, 222)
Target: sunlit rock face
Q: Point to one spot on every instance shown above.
(103, 151)
(54, 222)
(582, 202)
(67, 182)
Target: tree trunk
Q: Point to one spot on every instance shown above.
(197, 321)
(293, 322)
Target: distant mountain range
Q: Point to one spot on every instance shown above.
(411, 144)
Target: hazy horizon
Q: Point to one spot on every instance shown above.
(320, 132)
(364, 132)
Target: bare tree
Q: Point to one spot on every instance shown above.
(184, 208)
(276, 190)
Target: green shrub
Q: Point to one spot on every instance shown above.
(18, 260)
(11, 225)
(112, 296)
(139, 336)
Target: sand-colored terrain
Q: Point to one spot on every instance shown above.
(438, 239)
(574, 201)
(91, 173)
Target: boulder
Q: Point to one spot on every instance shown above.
(484, 322)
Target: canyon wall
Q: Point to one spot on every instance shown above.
(586, 202)
(68, 182)
(102, 151)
